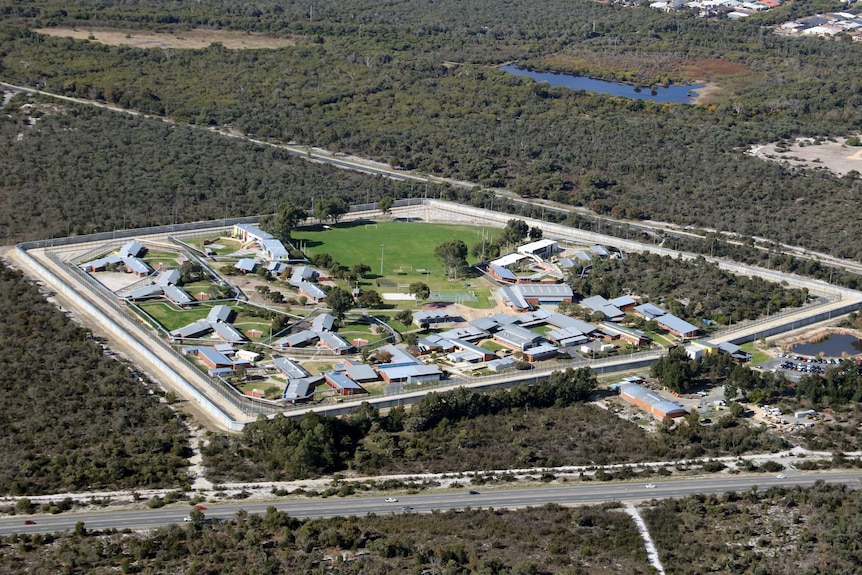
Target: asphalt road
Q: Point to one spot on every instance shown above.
(573, 494)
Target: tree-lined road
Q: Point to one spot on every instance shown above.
(578, 493)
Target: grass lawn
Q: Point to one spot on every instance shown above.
(659, 339)
(491, 345)
(230, 245)
(172, 317)
(405, 247)
(757, 356)
(154, 258)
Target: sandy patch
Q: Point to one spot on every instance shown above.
(835, 157)
(706, 94)
(186, 39)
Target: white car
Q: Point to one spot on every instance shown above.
(781, 476)
(390, 500)
(650, 486)
(187, 518)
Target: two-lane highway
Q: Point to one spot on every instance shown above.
(576, 493)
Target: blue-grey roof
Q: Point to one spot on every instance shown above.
(193, 329)
(508, 293)
(563, 321)
(501, 364)
(219, 313)
(341, 380)
(650, 398)
(398, 355)
(600, 250)
(213, 356)
(275, 249)
(290, 368)
(255, 231)
(228, 332)
(276, 268)
(297, 339)
(168, 277)
(137, 266)
(467, 346)
(541, 349)
(623, 301)
(650, 311)
(333, 340)
(296, 389)
(470, 332)
(144, 292)
(566, 263)
(323, 322)
(544, 291)
(301, 274)
(503, 273)
(583, 256)
(246, 265)
(361, 372)
(399, 372)
(564, 334)
(595, 302)
(518, 336)
(676, 324)
(311, 290)
(177, 295)
(130, 249)
(612, 330)
(487, 324)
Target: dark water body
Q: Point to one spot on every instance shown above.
(682, 94)
(833, 346)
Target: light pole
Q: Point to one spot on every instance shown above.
(381, 258)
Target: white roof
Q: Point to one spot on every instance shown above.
(508, 259)
(536, 246)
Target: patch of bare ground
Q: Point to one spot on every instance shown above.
(186, 39)
(834, 156)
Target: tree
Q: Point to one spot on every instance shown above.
(191, 271)
(385, 205)
(420, 290)
(404, 316)
(330, 209)
(286, 219)
(361, 269)
(454, 256)
(370, 298)
(339, 301)
(535, 233)
(514, 232)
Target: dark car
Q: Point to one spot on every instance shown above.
(406, 508)
(29, 522)
(474, 492)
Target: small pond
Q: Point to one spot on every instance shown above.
(833, 346)
(681, 94)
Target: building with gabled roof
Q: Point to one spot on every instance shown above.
(246, 265)
(341, 382)
(540, 353)
(274, 250)
(649, 311)
(323, 322)
(677, 326)
(518, 338)
(508, 260)
(168, 277)
(144, 292)
(567, 336)
(194, 329)
(501, 364)
(583, 257)
(214, 359)
(302, 389)
(650, 401)
(512, 298)
(625, 302)
(627, 334)
(312, 292)
(333, 342)
(289, 368)
(435, 319)
(177, 295)
(219, 313)
(540, 248)
(131, 249)
(361, 372)
(302, 274)
(600, 250)
(502, 274)
(544, 294)
(227, 332)
(599, 304)
(466, 333)
(138, 267)
(299, 339)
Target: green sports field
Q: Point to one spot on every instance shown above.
(407, 248)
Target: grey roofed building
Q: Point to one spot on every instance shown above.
(323, 322)
(302, 274)
(600, 250)
(649, 311)
(486, 324)
(169, 277)
(219, 313)
(214, 358)
(508, 260)
(583, 256)
(227, 332)
(536, 317)
(290, 368)
(545, 293)
(253, 232)
(177, 295)
(627, 333)
(540, 351)
(467, 333)
(677, 325)
(733, 351)
(137, 266)
(623, 301)
(341, 380)
(361, 372)
(566, 263)
(300, 389)
(501, 364)
(298, 339)
(502, 273)
(144, 292)
(274, 249)
(412, 373)
(224, 348)
(276, 268)
(513, 298)
(518, 337)
(565, 334)
(398, 355)
(131, 249)
(651, 401)
(434, 317)
(193, 329)
(102, 262)
(561, 321)
(472, 348)
(542, 248)
(433, 342)
(246, 265)
(312, 291)
(504, 319)
(333, 341)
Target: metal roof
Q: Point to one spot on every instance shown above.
(177, 295)
(290, 368)
(213, 356)
(513, 297)
(650, 398)
(219, 313)
(650, 311)
(246, 265)
(228, 332)
(502, 272)
(145, 292)
(168, 277)
(544, 290)
(296, 339)
(676, 324)
(341, 380)
(311, 290)
(333, 340)
(323, 322)
(537, 246)
(361, 372)
(193, 329)
(130, 250)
